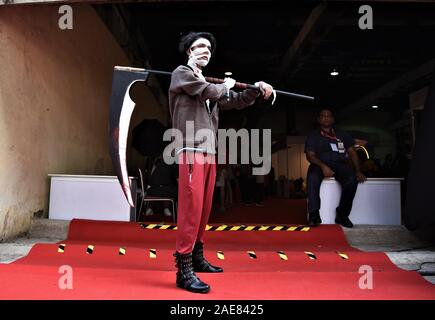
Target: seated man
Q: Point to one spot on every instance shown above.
(328, 151)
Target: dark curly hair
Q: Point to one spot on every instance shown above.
(187, 40)
(326, 109)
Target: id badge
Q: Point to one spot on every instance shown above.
(341, 147)
(334, 147)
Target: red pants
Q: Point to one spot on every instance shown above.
(195, 195)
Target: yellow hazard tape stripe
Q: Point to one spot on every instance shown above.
(342, 255)
(220, 255)
(158, 226)
(235, 228)
(221, 228)
(311, 255)
(252, 255)
(282, 255)
(229, 228)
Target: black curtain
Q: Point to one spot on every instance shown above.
(420, 198)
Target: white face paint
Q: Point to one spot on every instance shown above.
(200, 52)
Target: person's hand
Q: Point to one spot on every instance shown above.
(327, 172)
(229, 83)
(265, 88)
(360, 176)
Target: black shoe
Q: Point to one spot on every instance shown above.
(344, 221)
(314, 219)
(186, 278)
(200, 264)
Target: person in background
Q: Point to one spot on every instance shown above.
(387, 166)
(221, 182)
(299, 188)
(229, 185)
(259, 190)
(328, 150)
(247, 181)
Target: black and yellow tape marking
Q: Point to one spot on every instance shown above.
(220, 255)
(256, 228)
(282, 255)
(217, 228)
(122, 251)
(252, 255)
(61, 248)
(343, 255)
(90, 249)
(153, 253)
(158, 226)
(229, 228)
(311, 255)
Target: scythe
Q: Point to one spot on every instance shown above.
(121, 109)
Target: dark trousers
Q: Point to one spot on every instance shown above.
(259, 192)
(344, 174)
(247, 188)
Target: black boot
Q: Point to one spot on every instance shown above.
(200, 264)
(344, 221)
(314, 219)
(186, 278)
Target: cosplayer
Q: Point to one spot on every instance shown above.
(194, 100)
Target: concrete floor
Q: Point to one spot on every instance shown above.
(408, 250)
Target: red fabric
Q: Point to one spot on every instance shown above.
(107, 275)
(196, 181)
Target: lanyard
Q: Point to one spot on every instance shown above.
(327, 135)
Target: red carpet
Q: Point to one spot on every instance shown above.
(105, 274)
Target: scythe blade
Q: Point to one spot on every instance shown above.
(121, 109)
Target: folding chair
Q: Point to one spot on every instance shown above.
(145, 199)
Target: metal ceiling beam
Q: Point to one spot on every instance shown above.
(403, 81)
(317, 26)
(300, 40)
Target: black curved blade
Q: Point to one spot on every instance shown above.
(121, 109)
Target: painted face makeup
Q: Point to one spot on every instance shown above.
(200, 52)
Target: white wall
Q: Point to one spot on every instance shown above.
(55, 87)
(291, 162)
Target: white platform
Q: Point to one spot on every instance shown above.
(377, 201)
(89, 197)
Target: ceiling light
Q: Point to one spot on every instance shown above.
(228, 74)
(375, 107)
(334, 73)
